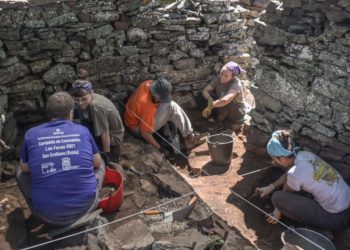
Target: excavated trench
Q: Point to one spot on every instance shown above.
(225, 217)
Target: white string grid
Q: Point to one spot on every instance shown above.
(135, 214)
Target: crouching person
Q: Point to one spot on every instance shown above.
(100, 115)
(224, 96)
(61, 171)
(150, 107)
(330, 206)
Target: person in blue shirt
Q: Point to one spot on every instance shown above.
(61, 170)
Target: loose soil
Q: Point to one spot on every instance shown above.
(227, 190)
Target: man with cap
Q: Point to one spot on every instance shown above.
(150, 107)
(225, 95)
(100, 115)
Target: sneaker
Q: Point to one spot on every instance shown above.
(192, 140)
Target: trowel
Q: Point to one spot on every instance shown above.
(130, 165)
(175, 215)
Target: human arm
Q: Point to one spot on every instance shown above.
(206, 95)
(280, 181)
(97, 160)
(264, 191)
(150, 139)
(24, 167)
(106, 142)
(223, 101)
(100, 116)
(206, 91)
(24, 158)
(276, 215)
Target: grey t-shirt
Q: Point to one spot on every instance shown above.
(234, 86)
(105, 117)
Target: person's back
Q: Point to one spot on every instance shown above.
(315, 176)
(140, 109)
(60, 161)
(61, 170)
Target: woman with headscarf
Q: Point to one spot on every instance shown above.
(224, 95)
(330, 206)
(100, 115)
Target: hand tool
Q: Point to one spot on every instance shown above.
(175, 215)
(130, 165)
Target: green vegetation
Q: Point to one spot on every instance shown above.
(216, 242)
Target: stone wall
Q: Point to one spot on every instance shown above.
(303, 47)
(120, 42)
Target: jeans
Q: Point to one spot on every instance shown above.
(307, 211)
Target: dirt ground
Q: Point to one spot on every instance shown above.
(217, 186)
(226, 189)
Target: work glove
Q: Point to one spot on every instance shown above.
(207, 111)
(274, 217)
(264, 191)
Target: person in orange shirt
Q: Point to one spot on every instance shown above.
(150, 107)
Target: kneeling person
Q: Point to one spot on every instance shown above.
(101, 117)
(61, 171)
(150, 107)
(224, 95)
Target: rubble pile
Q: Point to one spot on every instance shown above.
(157, 186)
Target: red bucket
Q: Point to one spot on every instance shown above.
(114, 201)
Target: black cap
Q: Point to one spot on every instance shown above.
(162, 89)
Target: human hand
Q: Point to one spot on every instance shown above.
(207, 111)
(274, 217)
(163, 151)
(264, 191)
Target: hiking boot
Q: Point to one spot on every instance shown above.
(192, 140)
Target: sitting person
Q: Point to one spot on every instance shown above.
(100, 115)
(330, 206)
(61, 171)
(150, 107)
(224, 96)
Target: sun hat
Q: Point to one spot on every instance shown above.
(162, 88)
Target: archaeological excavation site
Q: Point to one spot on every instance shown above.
(175, 124)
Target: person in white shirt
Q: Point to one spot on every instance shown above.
(330, 206)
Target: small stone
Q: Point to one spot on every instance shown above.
(148, 187)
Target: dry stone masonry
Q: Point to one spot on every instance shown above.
(303, 47)
(120, 43)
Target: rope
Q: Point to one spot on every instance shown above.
(255, 171)
(108, 223)
(135, 214)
